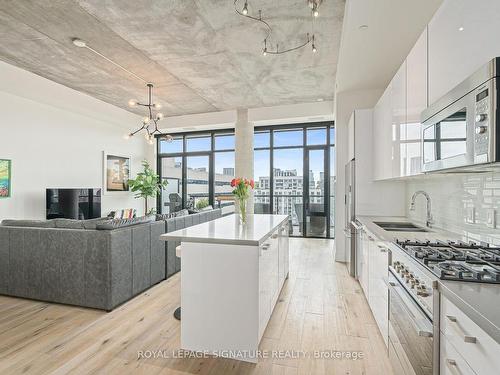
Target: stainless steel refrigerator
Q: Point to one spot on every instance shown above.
(350, 216)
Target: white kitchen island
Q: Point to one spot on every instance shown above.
(231, 277)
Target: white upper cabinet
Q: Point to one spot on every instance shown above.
(463, 36)
(389, 117)
(416, 102)
(398, 123)
(382, 137)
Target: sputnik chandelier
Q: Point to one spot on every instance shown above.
(267, 49)
(150, 121)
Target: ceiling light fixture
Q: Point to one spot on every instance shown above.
(313, 4)
(151, 117)
(79, 43)
(151, 120)
(314, 46)
(363, 27)
(461, 28)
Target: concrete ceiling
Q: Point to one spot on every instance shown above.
(201, 56)
(369, 57)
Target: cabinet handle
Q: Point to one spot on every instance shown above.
(382, 249)
(466, 338)
(425, 334)
(453, 366)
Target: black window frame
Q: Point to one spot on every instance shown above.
(328, 125)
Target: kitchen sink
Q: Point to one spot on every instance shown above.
(399, 226)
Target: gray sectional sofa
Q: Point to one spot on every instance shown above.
(89, 267)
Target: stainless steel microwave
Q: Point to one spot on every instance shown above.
(462, 129)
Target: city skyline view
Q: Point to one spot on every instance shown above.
(289, 151)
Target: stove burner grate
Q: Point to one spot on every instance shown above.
(457, 261)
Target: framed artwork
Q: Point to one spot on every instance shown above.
(116, 172)
(5, 178)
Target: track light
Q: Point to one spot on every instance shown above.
(79, 43)
(313, 6)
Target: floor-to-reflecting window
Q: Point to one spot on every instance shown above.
(171, 171)
(198, 174)
(283, 150)
(200, 166)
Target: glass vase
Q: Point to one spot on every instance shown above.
(242, 204)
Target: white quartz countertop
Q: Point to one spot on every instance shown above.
(479, 301)
(228, 230)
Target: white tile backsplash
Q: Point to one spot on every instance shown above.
(455, 197)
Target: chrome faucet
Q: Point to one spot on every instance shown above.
(430, 220)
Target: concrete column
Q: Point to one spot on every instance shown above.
(244, 150)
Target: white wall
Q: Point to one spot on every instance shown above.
(55, 137)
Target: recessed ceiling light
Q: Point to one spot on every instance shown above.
(79, 43)
(320, 99)
(461, 28)
(363, 27)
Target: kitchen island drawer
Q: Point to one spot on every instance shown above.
(479, 350)
(452, 363)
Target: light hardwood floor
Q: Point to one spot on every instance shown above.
(320, 309)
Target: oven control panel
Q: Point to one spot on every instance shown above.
(413, 278)
(481, 125)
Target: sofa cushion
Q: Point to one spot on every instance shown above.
(29, 223)
(69, 224)
(92, 223)
(123, 223)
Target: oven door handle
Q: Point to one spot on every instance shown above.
(421, 332)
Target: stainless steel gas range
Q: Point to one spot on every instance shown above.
(414, 270)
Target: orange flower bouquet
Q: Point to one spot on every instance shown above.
(241, 192)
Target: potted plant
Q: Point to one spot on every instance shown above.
(146, 185)
(241, 193)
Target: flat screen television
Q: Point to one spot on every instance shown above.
(81, 204)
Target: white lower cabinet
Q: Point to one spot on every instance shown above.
(478, 349)
(362, 262)
(273, 269)
(452, 363)
(378, 296)
(373, 262)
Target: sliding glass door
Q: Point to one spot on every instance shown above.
(315, 192)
